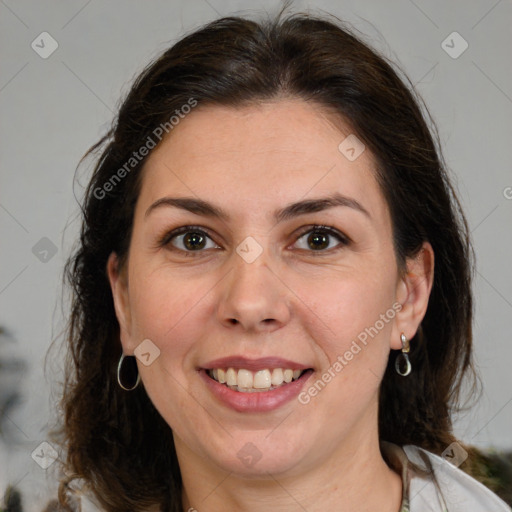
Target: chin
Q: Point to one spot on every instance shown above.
(257, 456)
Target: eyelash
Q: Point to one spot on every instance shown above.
(166, 239)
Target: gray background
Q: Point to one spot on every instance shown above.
(53, 109)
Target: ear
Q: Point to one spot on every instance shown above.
(119, 286)
(413, 291)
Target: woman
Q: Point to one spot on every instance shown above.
(272, 292)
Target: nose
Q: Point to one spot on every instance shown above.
(253, 298)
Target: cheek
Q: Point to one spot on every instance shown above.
(161, 303)
(165, 310)
(345, 307)
(350, 321)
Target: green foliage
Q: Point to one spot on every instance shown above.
(493, 469)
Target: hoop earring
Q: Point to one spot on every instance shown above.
(403, 356)
(129, 372)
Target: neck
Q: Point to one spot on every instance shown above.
(354, 477)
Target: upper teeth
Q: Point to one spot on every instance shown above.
(246, 380)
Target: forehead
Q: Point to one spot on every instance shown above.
(268, 153)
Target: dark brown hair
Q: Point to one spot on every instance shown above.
(117, 441)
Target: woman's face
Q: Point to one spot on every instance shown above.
(227, 272)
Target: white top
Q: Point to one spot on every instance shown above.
(432, 484)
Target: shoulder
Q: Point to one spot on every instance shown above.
(441, 483)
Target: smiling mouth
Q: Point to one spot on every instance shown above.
(247, 381)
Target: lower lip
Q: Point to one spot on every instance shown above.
(260, 401)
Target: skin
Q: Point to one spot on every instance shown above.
(294, 302)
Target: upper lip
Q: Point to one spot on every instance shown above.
(254, 364)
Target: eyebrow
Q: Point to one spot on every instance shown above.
(201, 207)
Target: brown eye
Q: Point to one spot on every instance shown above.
(320, 238)
(188, 239)
(317, 241)
(194, 241)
